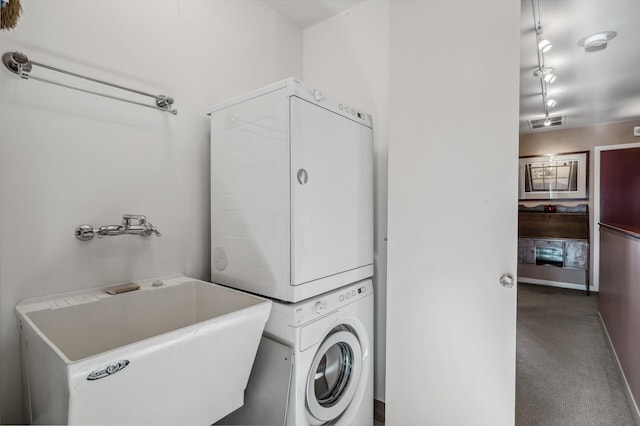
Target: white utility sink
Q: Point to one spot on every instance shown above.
(175, 352)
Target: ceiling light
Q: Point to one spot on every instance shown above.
(543, 71)
(551, 103)
(597, 41)
(544, 45)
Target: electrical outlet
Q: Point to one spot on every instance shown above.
(636, 131)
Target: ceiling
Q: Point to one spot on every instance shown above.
(305, 13)
(591, 88)
(595, 87)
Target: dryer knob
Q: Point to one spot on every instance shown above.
(319, 307)
(317, 95)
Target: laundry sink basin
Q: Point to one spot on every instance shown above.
(176, 351)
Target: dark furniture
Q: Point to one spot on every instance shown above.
(556, 236)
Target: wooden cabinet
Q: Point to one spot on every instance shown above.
(554, 235)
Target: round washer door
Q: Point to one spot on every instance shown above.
(334, 376)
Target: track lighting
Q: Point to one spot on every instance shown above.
(545, 74)
(543, 71)
(544, 45)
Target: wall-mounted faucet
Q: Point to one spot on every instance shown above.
(142, 227)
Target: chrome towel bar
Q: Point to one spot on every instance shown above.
(19, 64)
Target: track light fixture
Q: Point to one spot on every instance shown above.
(545, 74)
(544, 45)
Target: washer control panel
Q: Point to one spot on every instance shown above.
(324, 304)
(353, 293)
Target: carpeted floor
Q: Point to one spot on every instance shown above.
(565, 371)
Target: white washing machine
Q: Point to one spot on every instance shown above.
(332, 340)
(315, 364)
(291, 192)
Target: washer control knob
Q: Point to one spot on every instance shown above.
(317, 95)
(319, 307)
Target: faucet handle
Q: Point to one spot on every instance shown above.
(127, 218)
(85, 232)
(151, 229)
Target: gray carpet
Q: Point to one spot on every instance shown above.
(565, 371)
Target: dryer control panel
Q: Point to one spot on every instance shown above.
(326, 101)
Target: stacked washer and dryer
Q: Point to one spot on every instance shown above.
(292, 220)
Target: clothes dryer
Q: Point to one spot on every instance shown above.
(291, 192)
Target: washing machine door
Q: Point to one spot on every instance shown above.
(334, 376)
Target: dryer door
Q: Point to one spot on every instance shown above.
(334, 376)
(332, 193)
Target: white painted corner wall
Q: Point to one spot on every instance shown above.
(68, 158)
(348, 56)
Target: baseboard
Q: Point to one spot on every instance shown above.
(628, 393)
(378, 410)
(560, 284)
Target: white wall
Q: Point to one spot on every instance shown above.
(68, 158)
(347, 55)
(453, 132)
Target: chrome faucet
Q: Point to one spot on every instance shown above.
(142, 228)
